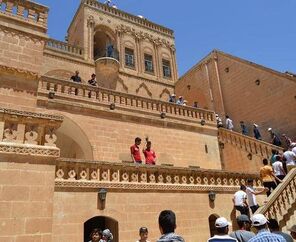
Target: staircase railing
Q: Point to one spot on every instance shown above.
(247, 143)
(281, 200)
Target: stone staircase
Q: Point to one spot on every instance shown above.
(246, 143)
(281, 204)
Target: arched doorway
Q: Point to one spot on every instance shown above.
(72, 141)
(103, 38)
(102, 223)
(212, 220)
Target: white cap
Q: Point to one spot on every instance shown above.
(269, 129)
(173, 95)
(221, 222)
(256, 125)
(258, 220)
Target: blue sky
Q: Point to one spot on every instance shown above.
(262, 31)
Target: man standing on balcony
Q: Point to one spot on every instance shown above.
(150, 156)
(135, 151)
(240, 201)
(256, 131)
(229, 123)
(76, 77)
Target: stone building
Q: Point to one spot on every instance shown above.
(65, 165)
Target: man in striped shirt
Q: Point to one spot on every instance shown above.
(259, 222)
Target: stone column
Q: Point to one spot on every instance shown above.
(174, 64)
(157, 67)
(120, 48)
(90, 28)
(139, 55)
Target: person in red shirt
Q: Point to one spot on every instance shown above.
(135, 151)
(150, 156)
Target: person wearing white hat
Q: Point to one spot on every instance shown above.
(259, 222)
(293, 231)
(180, 101)
(274, 139)
(172, 98)
(256, 131)
(222, 227)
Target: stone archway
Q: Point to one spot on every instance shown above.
(103, 36)
(212, 220)
(72, 141)
(102, 223)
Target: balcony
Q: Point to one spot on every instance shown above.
(121, 176)
(107, 67)
(63, 94)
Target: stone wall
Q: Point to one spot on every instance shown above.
(233, 82)
(133, 210)
(26, 201)
(110, 140)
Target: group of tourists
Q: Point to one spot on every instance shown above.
(167, 226)
(275, 139)
(266, 230)
(181, 101)
(97, 235)
(149, 154)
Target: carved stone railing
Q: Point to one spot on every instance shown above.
(64, 47)
(94, 174)
(28, 133)
(248, 144)
(51, 87)
(282, 200)
(129, 17)
(25, 10)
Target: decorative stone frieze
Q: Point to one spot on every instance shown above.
(93, 174)
(18, 71)
(140, 35)
(28, 133)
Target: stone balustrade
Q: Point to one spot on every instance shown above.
(100, 95)
(28, 133)
(282, 200)
(94, 174)
(64, 47)
(247, 143)
(25, 10)
(129, 17)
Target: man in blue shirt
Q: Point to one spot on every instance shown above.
(259, 222)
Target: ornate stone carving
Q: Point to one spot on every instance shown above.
(18, 71)
(144, 177)
(142, 35)
(31, 137)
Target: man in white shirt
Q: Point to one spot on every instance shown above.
(229, 123)
(290, 157)
(240, 201)
(251, 195)
(293, 146)
(278, 168)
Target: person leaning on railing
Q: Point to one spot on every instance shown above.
(76, 78)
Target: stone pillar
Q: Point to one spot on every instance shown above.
(173, 64)
(120, 49)
(157, 67)
(90, 28)
(139, 55)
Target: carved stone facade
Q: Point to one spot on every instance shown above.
(44, 116)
